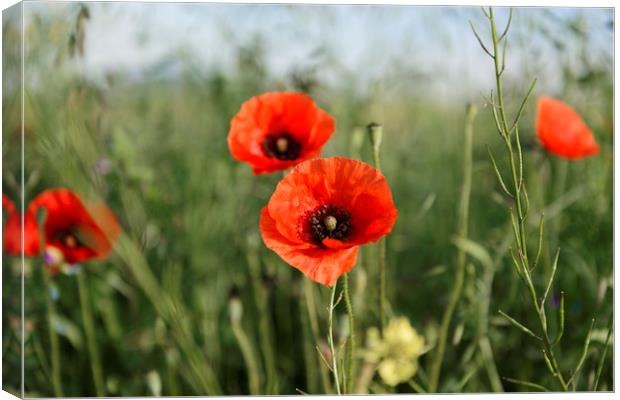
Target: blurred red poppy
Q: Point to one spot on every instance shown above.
(277, 130)
(562, 131)
(322, 211)
(77, 230)
(12, 232)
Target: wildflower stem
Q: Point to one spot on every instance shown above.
(601, 362)
(351, 341)
(54, 344)
(330, 338)
(375, 131)
(520, 195)
(314, 327)
(248, 355)
(264, 325)
(89, 330)
(202, 376)
(463, 219)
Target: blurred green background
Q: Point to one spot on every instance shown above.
(131, 103)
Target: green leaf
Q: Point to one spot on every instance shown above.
(474, 249)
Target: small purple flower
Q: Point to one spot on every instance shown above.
(555, 300)
(104, 166)
(48, 257)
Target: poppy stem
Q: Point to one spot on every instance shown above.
(375, 132)
(330, 337)
(54, 344)
(351, 342)
(463, 222)
(89, 329)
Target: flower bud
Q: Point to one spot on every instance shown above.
(375, 133)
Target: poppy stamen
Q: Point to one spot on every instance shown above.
(281, 146)
(69, 240)
(329, 221)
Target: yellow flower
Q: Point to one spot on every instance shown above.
(396, 353)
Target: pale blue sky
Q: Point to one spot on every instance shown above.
(368, 42)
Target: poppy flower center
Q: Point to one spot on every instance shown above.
(281, 146)
(329, 221)
(69, 240)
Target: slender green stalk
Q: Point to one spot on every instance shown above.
(264, 324)
(416, 386)
(375, 132)
(330, 338)
(601, 363)
(202, 377)
(463, 215)
(314, 326)
(89, 330)
(245, 346)
(309, 353)
(349, 373)
(517, 180)
(560, 173)
(519, 219)
(54, 343)
(528, 384)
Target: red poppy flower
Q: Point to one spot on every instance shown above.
(322, 211)
(75, 230)
(562, 131)
(12, 232)
(275, 131)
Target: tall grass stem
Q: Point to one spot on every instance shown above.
(349, 373)
(91, 339)
(463, 222)
(54, 343)
(375, 133)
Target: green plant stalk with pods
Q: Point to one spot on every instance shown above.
(516, 190)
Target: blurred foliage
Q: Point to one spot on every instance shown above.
(155, 150)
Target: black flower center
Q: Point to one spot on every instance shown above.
(329, 221)
(281, 146)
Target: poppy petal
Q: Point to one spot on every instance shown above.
(353, 196)
(561, 130)
(320, 265)
(294, 116)
(93, 228)
(13, 231)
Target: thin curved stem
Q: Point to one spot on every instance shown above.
(457, 289)
(351, 342)
(54, 344)
(89, 329)
(330, 338)
(520, 224)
